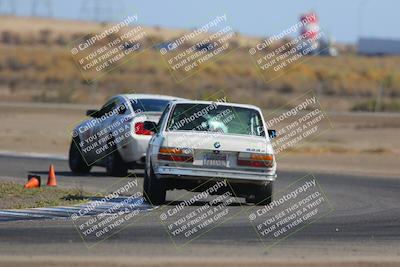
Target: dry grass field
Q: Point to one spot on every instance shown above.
(36, 65)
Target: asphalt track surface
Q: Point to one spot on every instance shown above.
(365, 221)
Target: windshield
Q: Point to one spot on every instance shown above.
(149, 105)
(216, 118)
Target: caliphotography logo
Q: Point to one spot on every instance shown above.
(101, 52)
(193, 51)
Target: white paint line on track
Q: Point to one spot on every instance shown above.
(7, 153)
(55, 210)
(67, 211)
(22, 213)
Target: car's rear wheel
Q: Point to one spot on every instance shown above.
(262, 195)
(115, 165)
(77, 163)
(154, 189)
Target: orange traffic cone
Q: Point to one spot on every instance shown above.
(51, 180)
(33, 181)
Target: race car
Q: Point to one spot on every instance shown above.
(114, 137)
(196, 141)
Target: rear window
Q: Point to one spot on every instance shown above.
(149, 105)
(216, 118)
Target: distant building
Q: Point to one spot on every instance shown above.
(378, 47)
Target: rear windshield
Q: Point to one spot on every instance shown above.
(216, 118)
(149, 105)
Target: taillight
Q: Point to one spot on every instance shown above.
(175, 154)
(255, 160)
(139, 129)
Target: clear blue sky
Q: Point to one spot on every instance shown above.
(344, 20)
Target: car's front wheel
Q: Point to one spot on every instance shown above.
(77, 163)
(154, 189)
(115, 165)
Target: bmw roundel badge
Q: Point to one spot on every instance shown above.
(217, 145)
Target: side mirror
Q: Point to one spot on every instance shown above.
(150, 126)
(92, 113)
(272, 134)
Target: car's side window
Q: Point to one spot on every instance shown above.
(256, 125)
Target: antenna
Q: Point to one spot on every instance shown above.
(41, 8)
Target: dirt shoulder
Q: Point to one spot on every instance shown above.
(376, 165)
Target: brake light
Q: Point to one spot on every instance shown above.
(139, 129)
(175, 154)
(170, 150)
(175, 158)
(261, 157)
(255, 160)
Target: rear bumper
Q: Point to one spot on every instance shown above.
(135, 149)
(168, 171)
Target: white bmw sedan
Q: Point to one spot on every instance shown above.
(198, 140)
(114, 137)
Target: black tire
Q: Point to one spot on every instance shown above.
(77, 163)
(145, 184)
(262, 195)
(154, 189)
(115, 165)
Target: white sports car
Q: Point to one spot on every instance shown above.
(115, 137)
(199, 140)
